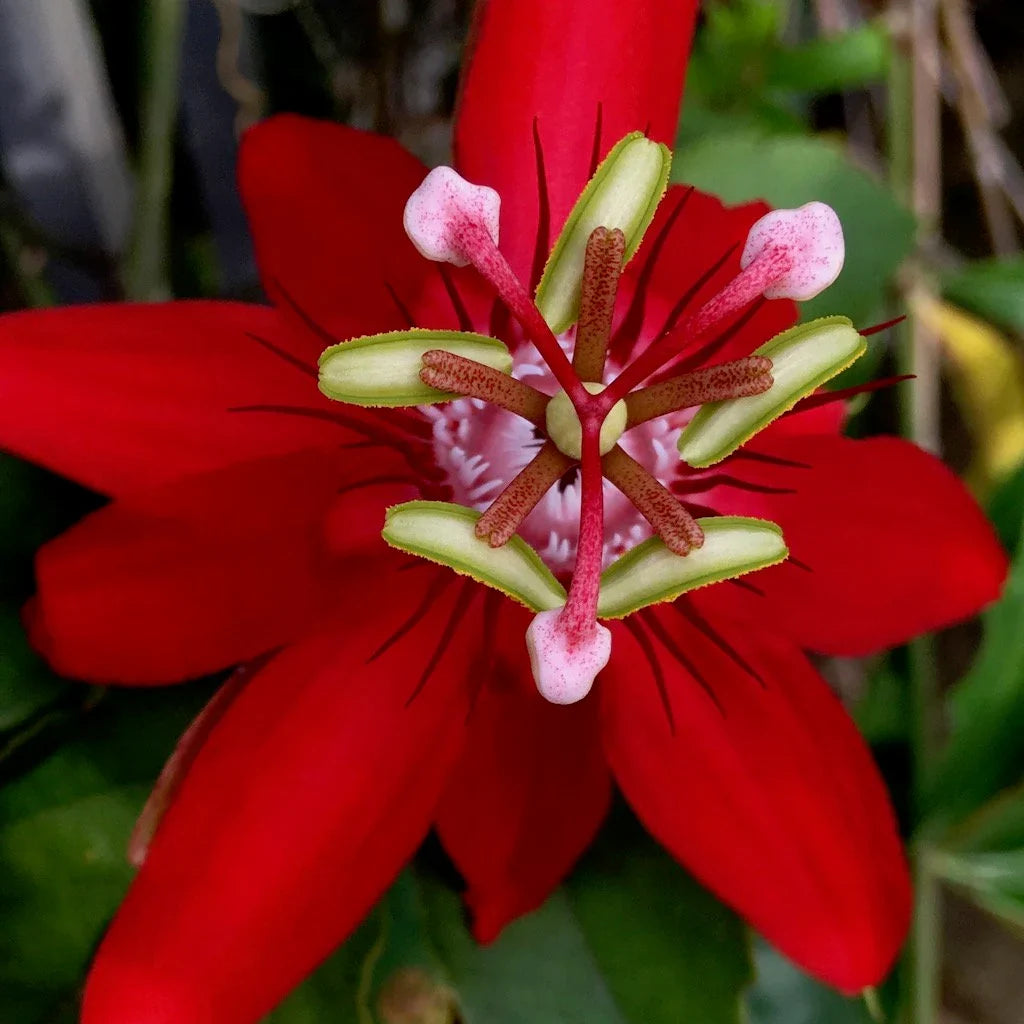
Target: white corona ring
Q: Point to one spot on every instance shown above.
(444, 203)
(811, 236)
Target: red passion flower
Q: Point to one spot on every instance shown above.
(384, 694)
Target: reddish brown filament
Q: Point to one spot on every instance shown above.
(520, 497)
(447, 371)
(662, 509)
(737, 379)
(602, 269)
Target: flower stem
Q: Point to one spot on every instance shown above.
(925, 947)
(145, 275)
(920, 104)
(915, 167)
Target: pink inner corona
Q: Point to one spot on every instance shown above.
(482, 448)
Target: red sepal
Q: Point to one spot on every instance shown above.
(529, 791)
(307, 797)
(765, 791)
(886, 543)
(585, 72)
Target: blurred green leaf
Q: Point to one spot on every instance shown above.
(1000, 871)
(726, 79)
(790, 171)
(851, 60)
(539, 970)
(731, 25)
(32, 509)
(994, 881)
(1004, 509)
(998, 826)
(984, 753)
(65, 827)
(993, 289)
(701, 121)
(984, 856)
(633, 940)
(396, 937)
(64, 872)
(783, 994)
(742, 76)
(404, 935)
(668, 950)
(731, 52)
(883, 713)
(26, 684)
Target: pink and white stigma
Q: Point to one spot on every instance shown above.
(440, 207)
(811, 237)
(565, 665)
(789, 254)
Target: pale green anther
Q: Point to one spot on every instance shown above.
(623, 193)
(803, 359)
(650, 573)
(443, 532)
(384, 369)
(564, 425)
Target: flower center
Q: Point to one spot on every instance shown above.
(482, 448)
(564, 427)
(508, 446)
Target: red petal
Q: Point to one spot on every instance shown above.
(528, 794)
(190, 578)
(826, 418)
(893, 543)
(121, 397)
(560, 62)
(766, 793)
(325, 204)
(309, 794)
